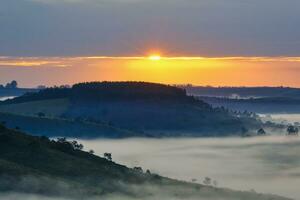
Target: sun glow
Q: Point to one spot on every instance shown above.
(155, 57)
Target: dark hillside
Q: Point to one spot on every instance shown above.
(23, 155)
(63, 127)
(37, 165)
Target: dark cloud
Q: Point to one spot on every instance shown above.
(132, 27)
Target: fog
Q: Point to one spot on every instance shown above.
(281, 118)
(144, 191)
(266, 164)
(6, 97)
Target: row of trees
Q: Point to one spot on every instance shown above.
(207, 181)
(12, 85)
(291, 130)
(126, 90)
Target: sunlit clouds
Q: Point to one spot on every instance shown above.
(216, 71)
(68, 61)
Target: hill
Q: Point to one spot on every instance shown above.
(257, 105)
(53, 127)
(242, 92)
(145, 108)
(39, 166)
(4, 92)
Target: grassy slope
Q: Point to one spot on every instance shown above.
(52, 108)
(53, 127)
(36, 165)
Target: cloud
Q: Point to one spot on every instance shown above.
(217, 71)
(132, 27)
(84, 1)
(69, 61)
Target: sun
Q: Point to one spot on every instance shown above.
(154, 57)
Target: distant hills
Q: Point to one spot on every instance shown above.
(139, 108)
(264, 105)
(253, 99)
(14, 92)
(242, 92)
(40, 166)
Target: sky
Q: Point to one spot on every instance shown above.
(240, 42)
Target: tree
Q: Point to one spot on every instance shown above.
(41, 114)
(108, 156)
(12, 85)
(292, 130)
(61, 140)
(261, 131)
(91, 151)
(207, 181)
(76, 145)
(41, 87)
(138, 169)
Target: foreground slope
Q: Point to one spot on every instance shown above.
(146, 108)
(37, 165)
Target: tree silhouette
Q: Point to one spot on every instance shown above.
(41, 114)
(207, 181)
(292, 130)
(138, 169)
(91, 151)
(108, 156)
(261, 131)
(12, 85)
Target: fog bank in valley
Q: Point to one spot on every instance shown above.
(264, 164)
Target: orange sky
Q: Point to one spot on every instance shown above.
(223, 71)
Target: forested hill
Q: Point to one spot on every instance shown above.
(148, 109)
(40, 166)
(98, 91)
